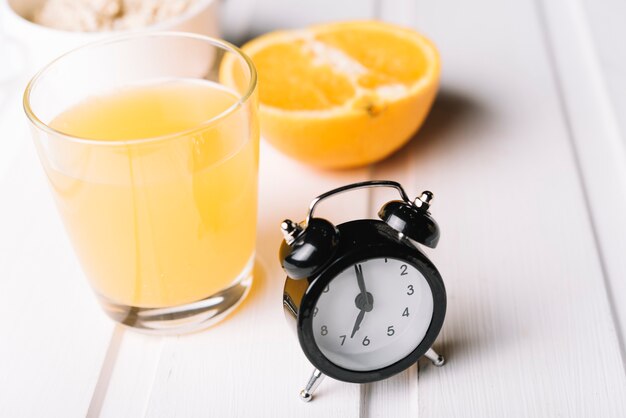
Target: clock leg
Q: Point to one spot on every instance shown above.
(435, 358)
(316, 378)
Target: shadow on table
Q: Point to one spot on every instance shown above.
(452, 112)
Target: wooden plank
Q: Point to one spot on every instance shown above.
(590, 90)
(529, 331)
(245, 19)
(53, 335)
(604, 28)
(398, 396)
(400, 12)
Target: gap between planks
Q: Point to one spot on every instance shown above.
(102, 385)
(611, 132)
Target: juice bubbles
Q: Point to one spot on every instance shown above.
(165, 214)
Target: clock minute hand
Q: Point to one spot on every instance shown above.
(359, 278)
(364, 300)
(357, 324)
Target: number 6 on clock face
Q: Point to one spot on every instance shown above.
(374, 313)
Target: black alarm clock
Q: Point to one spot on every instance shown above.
(365, 301)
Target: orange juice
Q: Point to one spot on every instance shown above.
(165, 213)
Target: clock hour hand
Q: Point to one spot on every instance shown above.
(357, 324)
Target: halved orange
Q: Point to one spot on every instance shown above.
(343, 94)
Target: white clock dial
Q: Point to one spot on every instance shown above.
(372, 321)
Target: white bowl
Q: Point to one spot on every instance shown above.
(41, 44)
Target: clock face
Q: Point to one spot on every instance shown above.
(373, 314)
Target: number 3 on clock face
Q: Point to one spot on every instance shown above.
(373, 314)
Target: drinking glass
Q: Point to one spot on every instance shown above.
(163, 223)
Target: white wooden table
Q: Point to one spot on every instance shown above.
(525, 150)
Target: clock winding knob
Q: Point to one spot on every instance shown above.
(291, 230)
(423, 201)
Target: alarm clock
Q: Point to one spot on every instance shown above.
(365, 301)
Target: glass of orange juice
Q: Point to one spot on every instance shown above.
(150, 145)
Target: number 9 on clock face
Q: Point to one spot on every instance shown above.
(373, 314)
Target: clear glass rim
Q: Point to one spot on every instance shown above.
(32, 84)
